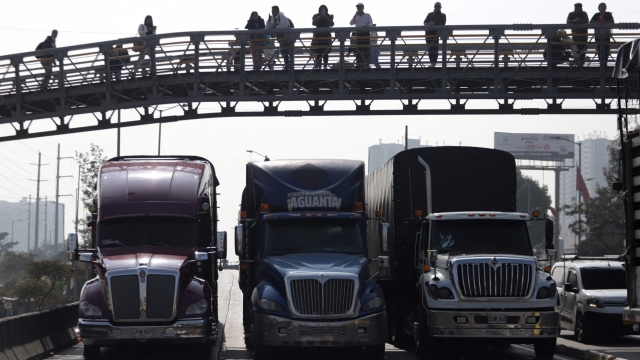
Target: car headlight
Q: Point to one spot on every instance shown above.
(270, 305)
(547, 292)
(439, 293)
(198, 308)
(373, 304)
(88, 309)
(595, 303)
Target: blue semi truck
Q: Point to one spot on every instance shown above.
(304, 270)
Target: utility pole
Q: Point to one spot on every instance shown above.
(29, 227)
(118, 149)
(78, 196)
(35, 246)
(46, 205)
(58, 194)
(406, 137)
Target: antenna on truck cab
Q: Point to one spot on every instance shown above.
(266, 158)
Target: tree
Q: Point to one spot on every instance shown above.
(90, 163)
(531, 195)
(8, 245)
(44, 283)
(607, 206)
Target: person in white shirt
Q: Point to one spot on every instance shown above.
(363, 22)
(375, 49)
(277, 20)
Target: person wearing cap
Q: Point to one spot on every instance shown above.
(602, 17)
(579, 35)
(437, 17)
(277, 20)
(363, 22)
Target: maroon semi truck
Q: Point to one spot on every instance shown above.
(155, 255)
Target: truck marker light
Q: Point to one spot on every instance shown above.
(243, 214)
(270, 216)
(324, 214)
(523, 216)
(313, 214)
(418, 213)
(450, 332)
(265, 208)
(358, 206)
(481, 214)
(438, 216)
(426, 268)
(472, 215)
(244, 266)
(303, 214)
(536, 213)
(379, 213)
(492, 215)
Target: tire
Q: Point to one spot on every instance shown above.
(425, 346)
(375, 352)
(203, 351)
(260, 352)
(247, 322)
(582, 336)
(91, 352)
(545, 348)
(397, 334)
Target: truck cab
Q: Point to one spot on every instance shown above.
(154, 254)
(304, 269)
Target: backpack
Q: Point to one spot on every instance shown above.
(290, 24)
(40, 47)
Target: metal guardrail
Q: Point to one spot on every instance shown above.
(475, 62)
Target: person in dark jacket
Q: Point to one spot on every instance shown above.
(602, 17)
(255, 22)
(579, 36)
(48, 61)
(559, 53)
(118, 57)
(321, 43)
(437, 17)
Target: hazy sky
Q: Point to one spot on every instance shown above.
(225, 141)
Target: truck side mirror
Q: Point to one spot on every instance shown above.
(548, 233)
(222, 244)
(384, 237)
(86, 257)
(240, 240)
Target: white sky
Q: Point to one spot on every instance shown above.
(225, 141)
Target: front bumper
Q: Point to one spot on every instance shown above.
(274, 330)
(103, 333)
(603, 323)
(443, 324)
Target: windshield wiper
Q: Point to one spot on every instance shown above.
(163, 244)
(114, 244)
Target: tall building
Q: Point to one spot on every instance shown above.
(595, 157)
(16, 215)
(381, 153)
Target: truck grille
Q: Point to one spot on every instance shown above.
(125, 295)
(506, 280)
(160, 296)
(323, 330)
(311, 297)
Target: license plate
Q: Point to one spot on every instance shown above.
(497, 319)
(142, 333)
(362, 338)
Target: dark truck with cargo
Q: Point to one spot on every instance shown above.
(462, 264)
(304, 270)
(154, 254)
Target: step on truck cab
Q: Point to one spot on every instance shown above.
(154, 255)
(304, 270)
(462, 265)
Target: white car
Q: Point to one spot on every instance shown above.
(592, 292)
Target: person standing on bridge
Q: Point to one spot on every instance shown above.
(579, 36)
(602, 17)
(321, 43)
(362, 22)
(277, 20)
(145, 29)
(255, 22)
(437, 17)
(47, 61)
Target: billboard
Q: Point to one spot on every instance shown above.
(545, 147)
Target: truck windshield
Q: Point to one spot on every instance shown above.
(603, 278)
(284, 237)
(140, 231)
(480, 237)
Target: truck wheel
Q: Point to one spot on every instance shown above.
(580, 333)
(375, 352)
(260, 352)
(203, 351)
(426, 348)
(247, 322)
(91, 352)
(545, 348)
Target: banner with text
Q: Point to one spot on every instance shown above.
(545, 147)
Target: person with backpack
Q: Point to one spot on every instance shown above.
(47, 60)
(145, 29)
(277, 20)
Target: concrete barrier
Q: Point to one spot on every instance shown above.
(35, 335)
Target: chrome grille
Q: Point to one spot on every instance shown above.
(323, 330)
(125, 295)
(311, 297)
(160, 296)
(506, 280)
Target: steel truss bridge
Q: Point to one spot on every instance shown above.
(504, 64)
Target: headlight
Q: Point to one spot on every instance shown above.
(270, 305)
(88, 309)
(547, 292)
(439, 293)
(595, 303)
(373, 304)
(198, 308)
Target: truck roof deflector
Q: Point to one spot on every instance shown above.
(427, 174)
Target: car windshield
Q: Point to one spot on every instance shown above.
(284, 237)
(480, 237)
(140, 231)
(603, 278)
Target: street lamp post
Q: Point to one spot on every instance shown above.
(266, 158)
(13, 222)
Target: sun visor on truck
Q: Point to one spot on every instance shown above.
(303, 185)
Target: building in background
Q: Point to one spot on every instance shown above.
(595, 157)
(381, 153)
(16, 215)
